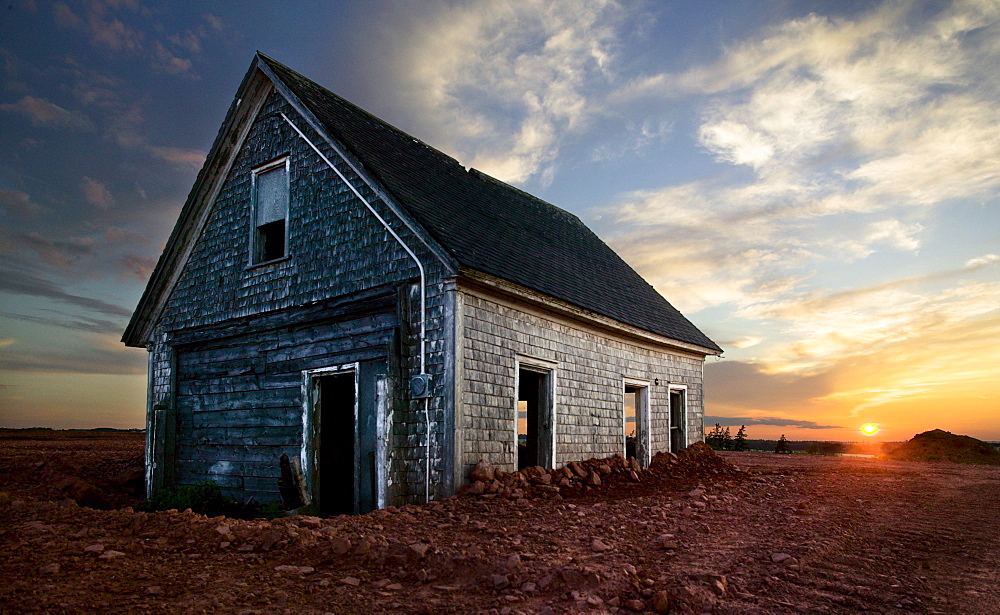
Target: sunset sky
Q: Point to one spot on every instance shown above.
(814, 184)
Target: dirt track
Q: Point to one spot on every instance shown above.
(855, 535)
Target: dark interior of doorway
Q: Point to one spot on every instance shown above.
(529, 397)
(336, 448)
(677, 420)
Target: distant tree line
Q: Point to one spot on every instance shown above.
(721, 440)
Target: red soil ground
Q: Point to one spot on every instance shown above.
(783, 534)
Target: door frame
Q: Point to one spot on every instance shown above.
(548, 369)
(683, 390)
(311, 427)
(642, 444)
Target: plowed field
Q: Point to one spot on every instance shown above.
(787, 534)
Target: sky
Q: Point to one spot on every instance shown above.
(814, 184)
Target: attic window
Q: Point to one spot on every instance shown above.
(270, 203)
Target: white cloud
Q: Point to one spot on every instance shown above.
(982, 261)
(851, 133)
(513, 79)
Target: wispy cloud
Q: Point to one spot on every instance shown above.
(60, 253)
(68, 321)
(178, 156)
(24, 284)
(41, 112)
(108, 33)
(514, 79)
(165, 61)
(766, 420)
(17, 204)
(98, 354)
(824, 329)
(96, 193)
(853, 132)
(138, 266)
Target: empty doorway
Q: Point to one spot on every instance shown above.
(343, 441)
(335, 407)
(636, 420)
(678, 420)
(535, 424)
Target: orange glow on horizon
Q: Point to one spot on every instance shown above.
(870, 429)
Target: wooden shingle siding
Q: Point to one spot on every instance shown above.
(239, 400)
(335, 246)
(591, 366)
(241, 336)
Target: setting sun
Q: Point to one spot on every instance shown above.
(869, 429)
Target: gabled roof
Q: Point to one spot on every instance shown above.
(486, 225)
(490, 226)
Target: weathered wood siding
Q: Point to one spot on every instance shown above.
(589, 401)
(236, 399)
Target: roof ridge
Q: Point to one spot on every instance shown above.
(275, 64)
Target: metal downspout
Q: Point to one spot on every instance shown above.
(423, 300)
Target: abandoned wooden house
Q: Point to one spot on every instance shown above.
(342, 294)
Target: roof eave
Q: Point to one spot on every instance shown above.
(478, 279)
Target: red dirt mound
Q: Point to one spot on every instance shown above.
(940, 445)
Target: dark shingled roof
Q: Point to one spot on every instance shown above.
(491, 227)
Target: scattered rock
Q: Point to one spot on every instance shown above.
(514, 563)
(82, 492)
(48, 569)
(340, 545)
(352, 581)
(778, 558)
(419, 550)
(109, 554)
(483, 472)
(636, 606)
(499, 581)
(662, 602)
(94, 548)
(599, 546)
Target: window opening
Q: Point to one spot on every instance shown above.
(270, 213)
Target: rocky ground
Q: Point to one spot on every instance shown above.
(735, 533)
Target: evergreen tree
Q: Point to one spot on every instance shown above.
(740, 441)
(782, 446)
(727, 440)
(715, 438)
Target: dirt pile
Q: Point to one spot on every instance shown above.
(579, 477)
(940, 445)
